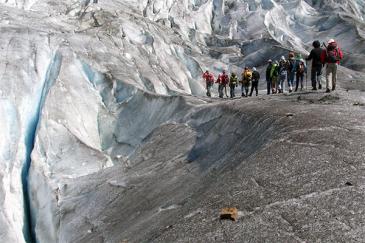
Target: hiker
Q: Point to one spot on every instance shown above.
(283, 66)
(246, 80)
(316, 71)
(209, 81)
(291, 71)
(331, 56)
(255, 81)
(300, 70)
(268, 78)
(222, 81)
(274, 76)
(233, 83)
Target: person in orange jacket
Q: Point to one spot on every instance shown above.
(331, 56)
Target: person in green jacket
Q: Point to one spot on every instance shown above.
(233, 83)
(274, 75)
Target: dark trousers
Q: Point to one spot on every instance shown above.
(316, 73)
(244, 89)
(300, 78)
(255, 85)
(220, 90)
(209, 86)
(269, 84)
(232, 87)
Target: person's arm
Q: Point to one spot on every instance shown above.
(310, 56)
(340, 53)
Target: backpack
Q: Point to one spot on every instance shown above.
(248, 75)
(275, 71)
(301, 68)
(283, 66)
(332, 55)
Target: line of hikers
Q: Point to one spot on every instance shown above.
(277, 72)
(249, 77)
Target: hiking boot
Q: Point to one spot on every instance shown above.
(314, 88)
(320, 86)
(333, 88)
(328, 91)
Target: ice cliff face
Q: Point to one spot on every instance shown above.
(84, 87)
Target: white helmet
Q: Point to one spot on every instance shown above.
(253, 69)
(331, 41)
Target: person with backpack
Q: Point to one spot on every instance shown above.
(331, 56)
(246, 80)
(268, 76)
(209, 81)
(255, 81)
(301, 69)
(291, 71)
(316, 71)
(274, 76)
(283, 66)
(222, 81)
(233, 83)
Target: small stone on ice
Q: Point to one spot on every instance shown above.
(229, 213)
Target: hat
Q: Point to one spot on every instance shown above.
(253, 69)
(282, 58)
(269, 60)
(331, 41)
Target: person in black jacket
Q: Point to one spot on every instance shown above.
(316, 72)
(268, 76)
(255, 81)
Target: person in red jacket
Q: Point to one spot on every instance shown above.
(331, 56)
(222, 81)
(209, 81)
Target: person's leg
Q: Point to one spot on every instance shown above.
(334, 77)
(257, 88)
(319, 76)
(242, 89)
(328, 73)
(301, 81)
(221, 87)
(297, 82)
(314, 77)
(252, 87)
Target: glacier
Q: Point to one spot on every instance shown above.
(106, 134)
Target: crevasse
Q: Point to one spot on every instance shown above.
(29, 140)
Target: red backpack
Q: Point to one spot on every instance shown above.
(332, 53)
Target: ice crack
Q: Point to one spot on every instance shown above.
(29, 141)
